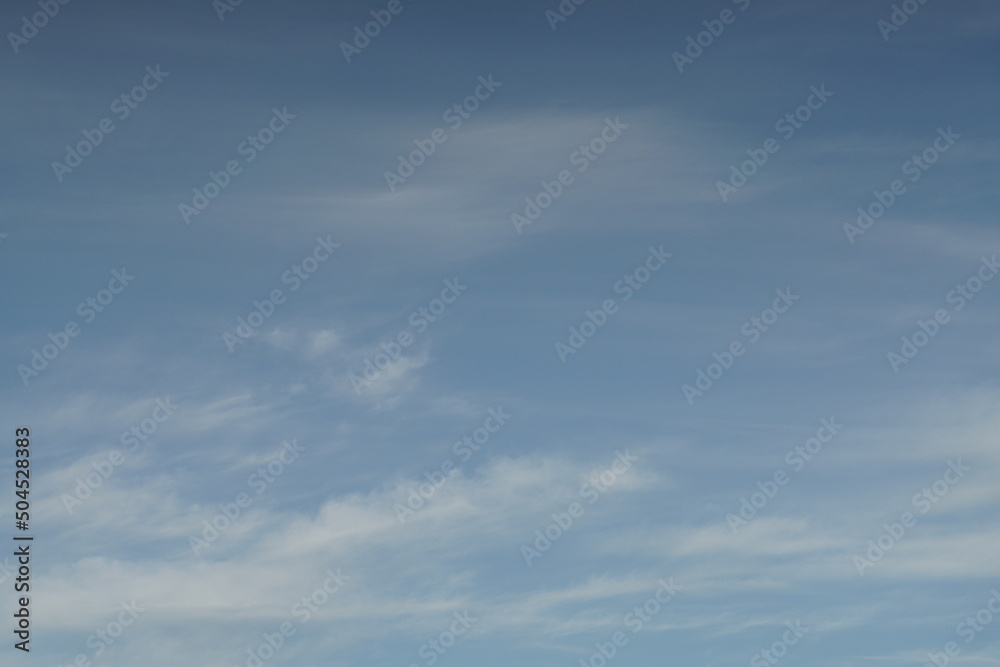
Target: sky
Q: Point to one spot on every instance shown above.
(534, 333)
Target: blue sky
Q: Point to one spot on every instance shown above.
(789, 326)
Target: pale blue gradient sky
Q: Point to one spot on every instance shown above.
(494, 346)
